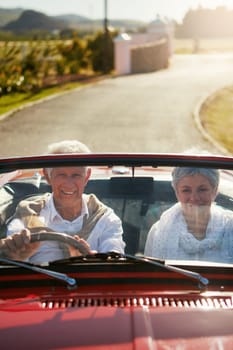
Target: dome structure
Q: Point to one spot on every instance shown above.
(158, 26)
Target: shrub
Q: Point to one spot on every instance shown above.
(101, 49)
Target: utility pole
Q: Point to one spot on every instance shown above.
(105, 16)
(105, 51)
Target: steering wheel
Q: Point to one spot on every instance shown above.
(60, 237)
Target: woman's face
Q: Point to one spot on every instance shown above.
(195, 190)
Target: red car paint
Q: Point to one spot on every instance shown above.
(118, 303)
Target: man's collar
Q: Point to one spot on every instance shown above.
(54, 213)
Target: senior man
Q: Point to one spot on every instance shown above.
(67, 209)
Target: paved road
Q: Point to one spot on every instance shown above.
(137, 113)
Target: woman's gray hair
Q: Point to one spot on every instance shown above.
(211, 174)
(66, 146)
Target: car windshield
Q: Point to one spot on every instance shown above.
(163, 212)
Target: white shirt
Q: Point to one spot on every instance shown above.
(106, 236)
(169, 238)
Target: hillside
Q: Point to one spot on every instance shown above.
(33, 20)
(8, 15)
(76, 21)
(19, 20)
(71, 18)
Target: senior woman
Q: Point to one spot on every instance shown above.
(194, 228)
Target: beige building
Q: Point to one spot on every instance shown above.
(144, 52)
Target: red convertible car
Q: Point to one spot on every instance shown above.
(156, 294)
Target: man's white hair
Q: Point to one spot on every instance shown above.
(66, 146)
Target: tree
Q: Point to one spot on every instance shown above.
(101, 51)
(202, 22)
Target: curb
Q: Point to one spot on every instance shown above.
(202, 130)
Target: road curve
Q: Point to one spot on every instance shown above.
(136, 113)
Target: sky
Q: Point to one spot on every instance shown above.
(144, 10)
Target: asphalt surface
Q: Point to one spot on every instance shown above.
(151, 112)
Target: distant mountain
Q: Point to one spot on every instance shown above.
(69, 18)
(33, 20)
(20, 20)
(81, 22)
(8, 15)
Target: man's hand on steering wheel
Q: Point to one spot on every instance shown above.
(75, 252)
(24, 244)
(18, 246)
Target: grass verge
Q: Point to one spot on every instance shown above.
(17, 100)
(216, 116)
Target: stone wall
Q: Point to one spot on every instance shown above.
(149, 57)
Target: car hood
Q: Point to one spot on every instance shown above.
(27, 324)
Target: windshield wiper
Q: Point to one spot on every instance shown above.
(203, 282)
(71, 282)
(111, 256)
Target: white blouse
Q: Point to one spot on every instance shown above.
(169, 238)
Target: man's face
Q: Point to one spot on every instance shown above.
(68, 184)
